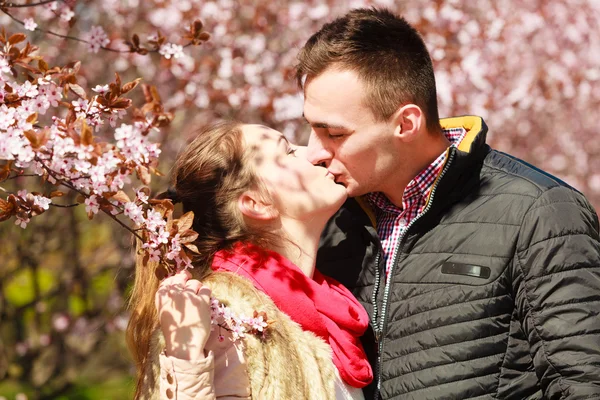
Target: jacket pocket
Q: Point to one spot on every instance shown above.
(476, 271)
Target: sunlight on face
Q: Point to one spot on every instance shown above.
(345, 137)
(297, 188)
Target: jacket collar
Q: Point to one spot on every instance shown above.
(459, 161)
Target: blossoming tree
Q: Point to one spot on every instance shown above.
(93, 93)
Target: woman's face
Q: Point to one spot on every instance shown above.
(298, 189)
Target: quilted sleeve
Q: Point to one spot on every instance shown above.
(557, 293)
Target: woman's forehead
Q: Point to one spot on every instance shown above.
(260, 135)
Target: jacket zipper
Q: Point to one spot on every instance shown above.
(374, 295)
(374, 320)
(382, 325)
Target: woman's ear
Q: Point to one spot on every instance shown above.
(408, 120)
(253, 205)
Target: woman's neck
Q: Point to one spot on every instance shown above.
(300, 244)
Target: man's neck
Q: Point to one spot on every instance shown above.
(425, 153)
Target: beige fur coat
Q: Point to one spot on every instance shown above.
(289, 363)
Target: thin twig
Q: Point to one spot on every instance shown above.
(41, 3)
(78, 39)
(18, 176)
(68, 185)
(60, 35)
(64, 205)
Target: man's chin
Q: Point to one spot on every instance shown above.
(354, 191)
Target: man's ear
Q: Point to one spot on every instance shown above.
(408, 120)
(253, 205)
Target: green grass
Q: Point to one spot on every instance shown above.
(111, 389)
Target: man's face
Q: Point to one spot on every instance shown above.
(345, 137)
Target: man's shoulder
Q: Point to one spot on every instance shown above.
(507, 173)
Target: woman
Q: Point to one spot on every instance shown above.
(259, 211)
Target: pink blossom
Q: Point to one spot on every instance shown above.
(120, 322)
(21, 348)
(258, 323)
(41, 104)
(7, 116)
(169, 50)
(154, 255)
(22, 222)
(96, 38)
(27, 89)
(100, 89)
(60, 322)
(134, 212)
(29, 24)
(80, 105)
(42, 202)
(4, 66)
(141, 196)
(154, 220)
(54, 95)
(67, 14)
(91, 205)
(163, 237)
(44, 340)
(238, 331)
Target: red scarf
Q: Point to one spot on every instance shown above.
(320, 305)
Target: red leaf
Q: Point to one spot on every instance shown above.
(185, 221)
(143, 175)
(192, 247)
(78, 90)
(87, 136)
(121, 104)
(122, 197)
(42, 65)
(33, 138)
(16, 38)
(129, 86)
(188, 236)
(56, 193)
(32, 119)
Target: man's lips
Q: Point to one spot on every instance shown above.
(335, 178)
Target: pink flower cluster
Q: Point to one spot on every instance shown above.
(65, 152)
(96, 38)
(238, 325)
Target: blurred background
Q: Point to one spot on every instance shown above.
(530, 68)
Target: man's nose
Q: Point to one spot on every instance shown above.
(316, 152)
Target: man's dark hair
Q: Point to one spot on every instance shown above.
(386, 52)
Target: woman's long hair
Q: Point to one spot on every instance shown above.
(209, 177)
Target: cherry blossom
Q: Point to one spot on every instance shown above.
(97, 38)
(531, 70)
(30, 24)
(169, 50)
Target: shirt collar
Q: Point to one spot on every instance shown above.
(420, 185)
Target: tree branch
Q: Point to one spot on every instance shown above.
(73, 188)
(2, 8)
(20, 175)
(13, 5)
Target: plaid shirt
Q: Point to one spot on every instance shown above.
(391, 220)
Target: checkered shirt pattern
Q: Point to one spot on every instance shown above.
(392, 220)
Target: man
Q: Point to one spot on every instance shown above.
(480, 272)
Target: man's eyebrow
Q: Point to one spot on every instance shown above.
(325, 125)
